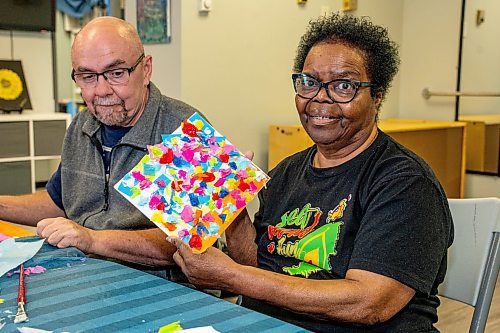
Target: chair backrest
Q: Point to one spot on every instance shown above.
(473, 257)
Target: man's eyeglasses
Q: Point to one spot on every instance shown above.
(339, 90)
(116, 76)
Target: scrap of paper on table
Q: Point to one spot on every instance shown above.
(13, 253)
(193, 184)
(33, 330)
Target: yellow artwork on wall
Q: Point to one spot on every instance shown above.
(13, 90)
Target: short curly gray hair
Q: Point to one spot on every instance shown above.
(381, 53)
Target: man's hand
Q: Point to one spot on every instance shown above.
(62, 232)
(210, 269)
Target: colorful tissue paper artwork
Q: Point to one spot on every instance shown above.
(193, 184)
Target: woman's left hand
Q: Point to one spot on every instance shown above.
(211, 269)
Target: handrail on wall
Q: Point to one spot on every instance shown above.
(426, 93)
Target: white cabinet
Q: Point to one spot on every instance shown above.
(30, 149)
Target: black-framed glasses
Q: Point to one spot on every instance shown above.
(115, 76)
(339, 90)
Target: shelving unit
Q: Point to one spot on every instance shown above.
(29, 142)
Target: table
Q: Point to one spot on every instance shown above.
(483, 143)
(103, 296)
(440, 143)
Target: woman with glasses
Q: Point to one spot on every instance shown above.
(352, 233)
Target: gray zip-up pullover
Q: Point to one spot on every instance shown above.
(88, 197)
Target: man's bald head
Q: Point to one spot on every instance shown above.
(108, 27)
(111, 46)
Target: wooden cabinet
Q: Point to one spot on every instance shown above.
(285, 140)
(440, 143)
(30, 149)
(483, 143)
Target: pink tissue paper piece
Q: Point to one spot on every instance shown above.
(29, 270)
(3, 237)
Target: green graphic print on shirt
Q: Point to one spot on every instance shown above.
(314, 246)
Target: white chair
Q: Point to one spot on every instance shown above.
(474, 258)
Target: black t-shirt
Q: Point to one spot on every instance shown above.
(383, 211)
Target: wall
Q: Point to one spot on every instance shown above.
(430, 56)
(234, 63)
(479, 186)
(480, 73)
(481, 52)
(430, 59)
(237, 62)
(65, 86)
(167, 58)
(388, 13)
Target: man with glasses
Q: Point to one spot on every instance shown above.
(352, 233)
(125, 113)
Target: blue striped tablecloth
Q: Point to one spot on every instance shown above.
(102, 296)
